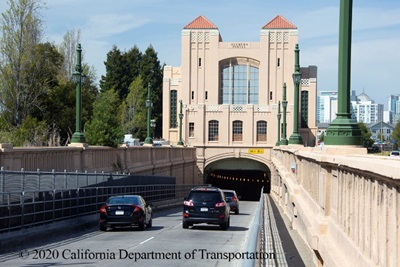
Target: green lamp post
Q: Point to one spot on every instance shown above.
(148, 140)
(344, 130)
(284, 141)
(180, 142)
(79, 78)
(295, 138)
(279, 115)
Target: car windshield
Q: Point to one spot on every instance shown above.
(395, 153)
(205, 196)
(124, 200)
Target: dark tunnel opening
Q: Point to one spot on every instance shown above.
(246, 183)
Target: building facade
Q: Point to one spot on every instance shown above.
(230, 91)
(326, 106)
(394, 108)
(366, 110)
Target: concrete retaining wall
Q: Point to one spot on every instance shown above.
(344, 203)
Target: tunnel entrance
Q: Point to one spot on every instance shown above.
(245, 176)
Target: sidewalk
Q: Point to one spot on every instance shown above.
(276, 236)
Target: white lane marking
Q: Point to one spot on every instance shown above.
(147, 240)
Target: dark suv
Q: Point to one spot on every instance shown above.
(206, 205)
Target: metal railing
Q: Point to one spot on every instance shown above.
(30, 208)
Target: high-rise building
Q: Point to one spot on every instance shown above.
(366, 110)
(326, 106)
(230, 91)
(394, 108)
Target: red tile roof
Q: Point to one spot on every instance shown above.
(279, 22)
(201, 23)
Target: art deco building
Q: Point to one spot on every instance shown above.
(230, 91)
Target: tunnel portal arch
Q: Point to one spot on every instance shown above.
(245, 176)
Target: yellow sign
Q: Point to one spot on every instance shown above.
(256, 151)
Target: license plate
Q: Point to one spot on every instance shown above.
(119, 212)
(203, 209)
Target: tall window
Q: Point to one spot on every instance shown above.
(237, 131)
(261, 131)
(191, 129)
(239, 81)
(304, 109)
(213, 130)
(173, 117)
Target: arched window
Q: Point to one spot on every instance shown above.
(239, 81)
(237, 131)
(261, 131)
(213, 130)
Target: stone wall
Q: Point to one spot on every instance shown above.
(344, 203)
(179, 162)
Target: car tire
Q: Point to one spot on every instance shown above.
(224, 225)
(185, 225)
(150, 224)
(142, 226)
(237, 211)
(102, 227)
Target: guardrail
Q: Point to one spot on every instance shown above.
(30, 208)
(253, 241)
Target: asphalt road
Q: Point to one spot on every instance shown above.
(165, 244)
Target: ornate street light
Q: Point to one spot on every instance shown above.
(295, 138)
(79, 78)
(284, 141)
(344, 130)
(153, 126)
(180, 142)
(148, 140)
(279, 115)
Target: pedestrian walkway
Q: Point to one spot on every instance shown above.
(276, 236)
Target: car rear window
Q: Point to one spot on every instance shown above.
(229, 194)
(205, 196)
(124, 200)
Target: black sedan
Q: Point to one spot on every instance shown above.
(127, 210)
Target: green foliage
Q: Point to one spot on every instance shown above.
(31, 133)
(151, 73)
(134, 112)
(121, 70)
(322, 137)
(105, 128)
(396, 134)
(22, 83)
(366, 134)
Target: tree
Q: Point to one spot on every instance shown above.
(105, 128)
(121, 70)
(21, 33)
(396, 134)
(134, 113)
(151, 73)
(366, 134)
(68, 49)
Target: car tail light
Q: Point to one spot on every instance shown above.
(188, 203)
(103, 209)
(234, 198)
(186, 215)
(220, 204)
(135, 208)
(221, 216)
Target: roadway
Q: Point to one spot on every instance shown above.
(165, 244)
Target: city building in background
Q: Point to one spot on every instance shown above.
(366, 110)
(393, 109)
(326, 106)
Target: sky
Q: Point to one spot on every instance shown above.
(126, 23)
